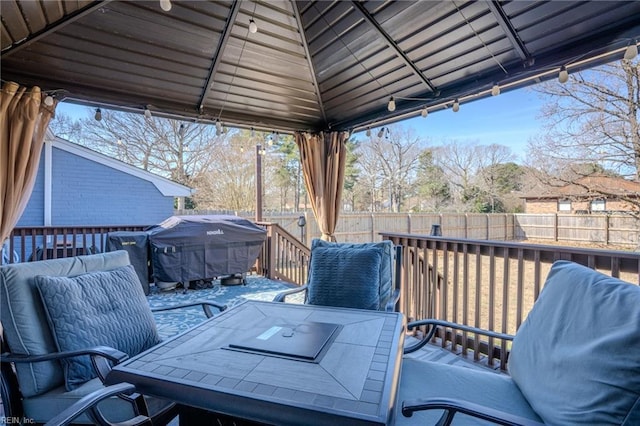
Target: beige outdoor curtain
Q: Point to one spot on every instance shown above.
(323, 158)
(23, 122)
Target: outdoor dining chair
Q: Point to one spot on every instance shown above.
(352, 275)
(65, 322)
(574, 360)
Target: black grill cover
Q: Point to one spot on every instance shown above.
(136, 244)
(188, 248)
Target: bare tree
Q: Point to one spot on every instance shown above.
(592, 126)
(389, 163)
(490, 173)
(171, 148)
(228, 182)
(432, 184)
(369, 170)
(460, 163)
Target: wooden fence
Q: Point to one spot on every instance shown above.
(620, 230)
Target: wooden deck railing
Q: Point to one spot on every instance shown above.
(51, 242)
(487, 284)
(283, 256)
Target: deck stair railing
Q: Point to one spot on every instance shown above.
(283, 256)
(487, 284)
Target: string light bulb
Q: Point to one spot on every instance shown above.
(424, 112)
(253, 132)
(456, 106)
(631, 52)
(368, 132)
(276, 137)
(381, 132)
(563, 76)
(98, 115)
(48, 101)
(218, 126)
(495, 90)
(147, 112)
(165, 5)
(391, 106)
(253, 27)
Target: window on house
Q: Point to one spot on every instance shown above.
(564, 205)
(598, 206)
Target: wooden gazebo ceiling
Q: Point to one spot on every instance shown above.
(312, 65)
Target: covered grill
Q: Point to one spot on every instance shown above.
(189, 248)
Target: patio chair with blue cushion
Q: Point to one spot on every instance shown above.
(352, 275)
(65, 322)
(574, 360)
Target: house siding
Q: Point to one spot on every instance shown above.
(551, 206)
(33, 214)
(85, 192)
(541, 206)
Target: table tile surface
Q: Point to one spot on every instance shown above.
(353, 381)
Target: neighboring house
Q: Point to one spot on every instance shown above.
(76, 186)
(586, 195)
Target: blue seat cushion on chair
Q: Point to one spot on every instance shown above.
(425, 379)
(327, 275)
(23, 318)
(105, 308)
(346, 277)
(576, 357)
(42, 408)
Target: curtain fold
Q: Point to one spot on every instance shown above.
(323, 159)
(23, 122)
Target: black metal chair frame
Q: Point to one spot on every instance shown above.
(103, 358)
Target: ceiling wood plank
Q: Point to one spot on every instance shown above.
(70, 18)
(393, 45)
(509, 31)
(217, 56)
(308, 55)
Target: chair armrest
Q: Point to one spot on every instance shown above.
(102, 358)
(107, 352)
(205, 307)
(280, 297)
(393, 301)
(434, 324)
(88, 405)
(453, 406)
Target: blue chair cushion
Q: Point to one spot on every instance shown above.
(327, 271)
(106, 308)
(425, 379)
(24, 320)
(576, 358)
(41, 408)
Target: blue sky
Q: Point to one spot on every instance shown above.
(508, 119)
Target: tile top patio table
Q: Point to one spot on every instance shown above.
(280, 363)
